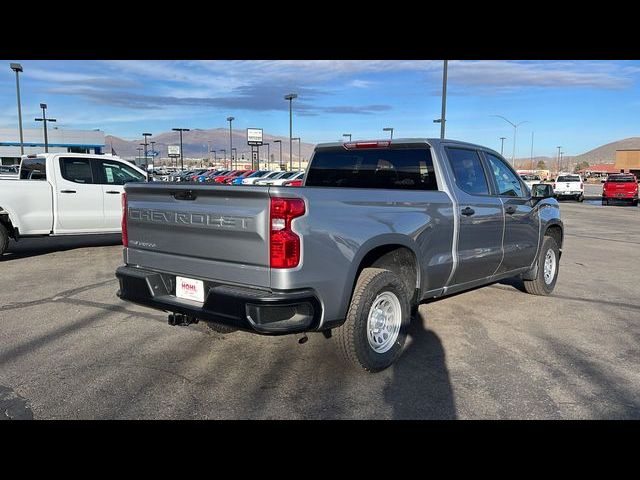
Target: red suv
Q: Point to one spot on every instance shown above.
(620, 186)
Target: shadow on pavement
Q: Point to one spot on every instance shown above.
(420, 387)
(30, 247)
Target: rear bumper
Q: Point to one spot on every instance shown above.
(253, 310)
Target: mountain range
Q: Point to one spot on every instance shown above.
(196, 144)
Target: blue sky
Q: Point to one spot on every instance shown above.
(577, 104)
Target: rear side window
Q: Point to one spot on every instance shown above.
(33, 169)
(468, 170)
(77, 170)
(621, 179)
(410, 169)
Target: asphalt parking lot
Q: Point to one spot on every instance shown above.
(70, 349)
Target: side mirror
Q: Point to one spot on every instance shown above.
(541, 190)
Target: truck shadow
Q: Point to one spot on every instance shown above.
(420, 387)
(30, 247)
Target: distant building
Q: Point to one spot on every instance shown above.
(60, 141)
(599, 170)
(628, 161)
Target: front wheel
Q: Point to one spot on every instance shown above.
(375, 330)
(548, 267)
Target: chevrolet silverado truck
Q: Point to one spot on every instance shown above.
(376, 227)
(620, 187)
(64, 194)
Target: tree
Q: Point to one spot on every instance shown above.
(541, 165)
(580, 166)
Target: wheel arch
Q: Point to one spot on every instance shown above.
(397, 253)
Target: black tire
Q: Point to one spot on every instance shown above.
(219, 327)
(604, 201)
(539, 286)
(581, 198)
(4, 239)
(635, 203)
(352, 338)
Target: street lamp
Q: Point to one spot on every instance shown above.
(44, 121)
(290, 97)
(558, 162)
(442, 120)
(515, 133)
(153, 149)
(139, 153)
(181, 154)
(16, 67)
(215, 159)
(268, 153)
(347, 135)
(502, 139)
(280, 143)
(234, 157)
(388, 129)
(231, 119)
(299, 157)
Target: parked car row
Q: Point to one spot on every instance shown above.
(240, 177)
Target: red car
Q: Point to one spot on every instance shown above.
(620, 186)
(222, 178)
(238, 174)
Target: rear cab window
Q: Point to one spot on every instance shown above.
(568, 178)
(383, 168)
(468, 171)
(621, 179)
(33, 169)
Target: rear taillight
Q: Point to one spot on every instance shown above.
(125, 236)
(284, 244)
(293, 183)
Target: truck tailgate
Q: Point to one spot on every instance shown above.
(202, 231)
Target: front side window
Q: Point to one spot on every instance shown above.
(77, 170)
(116, 173)
(468, 170)
(506, 180)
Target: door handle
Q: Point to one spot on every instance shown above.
(468, 211)
(112, 192)
(67, 191)
(510, 209)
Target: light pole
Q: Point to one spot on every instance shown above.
(347, 135)
(153, 148)
(146, 135)
(443, 116)
(215, 160)
(502, 139)
(515, 134)
(388, 129)
(531, 166)
(139, 153)
(224, 157)
(234, 157)
(181, 153)
(280, 143)
(16, 67)
(299, 157)
(44, 120)
(290, 97)
(558, 162)
(268, 153)
(561, 154)
(231, 119)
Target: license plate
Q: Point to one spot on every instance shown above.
(190, 289)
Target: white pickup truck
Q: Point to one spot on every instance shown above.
(569, 185)
(65, 194)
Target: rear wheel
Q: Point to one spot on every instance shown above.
(580, 198)
(548, 267)
(375, 330)
(634, 202)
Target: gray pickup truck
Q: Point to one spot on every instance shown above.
(376, 227)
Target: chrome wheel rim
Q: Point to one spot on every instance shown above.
(549, 266)
(383, 323)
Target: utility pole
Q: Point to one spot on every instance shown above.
(290, 97)
(444, 99)
(44, 120)
(502, 145)
(16, 67)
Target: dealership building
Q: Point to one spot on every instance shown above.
(60, 141)
(628, 161)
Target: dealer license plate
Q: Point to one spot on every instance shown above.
(190, 289)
